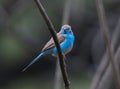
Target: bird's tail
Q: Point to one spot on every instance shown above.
(34, 60)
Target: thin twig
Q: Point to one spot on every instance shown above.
(107, 80)
(104, 62)
(53, 33)
(57, 78)
(65, 20)
(116, 36)
(100, 71)
(105, 32)
(66, 12)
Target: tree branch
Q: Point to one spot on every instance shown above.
(107, 80)
(65, 20)
(105, 32)
(53, 33)
(104, 62)
(57, 78)
(66, 12)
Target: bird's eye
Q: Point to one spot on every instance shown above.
(65, 30)
(70, 31)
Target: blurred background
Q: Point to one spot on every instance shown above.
(23, 33)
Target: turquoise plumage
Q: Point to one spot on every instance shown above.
(66, 39)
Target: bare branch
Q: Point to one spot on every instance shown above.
(65, 20)
(104, 63)
(66, 12)
(100, 71)
(105, 32)
(53, 33)
(116, 36)
(107, 80)
(58, 76)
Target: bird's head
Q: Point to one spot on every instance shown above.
(66, 29)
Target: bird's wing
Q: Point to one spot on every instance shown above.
(50, 44)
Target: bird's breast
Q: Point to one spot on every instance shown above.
(66, 45)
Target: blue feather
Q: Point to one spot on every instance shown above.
(66, 45)
(36, 59)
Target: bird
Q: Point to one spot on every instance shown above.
(66, 40)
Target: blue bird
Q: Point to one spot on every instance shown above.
(66, 39)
